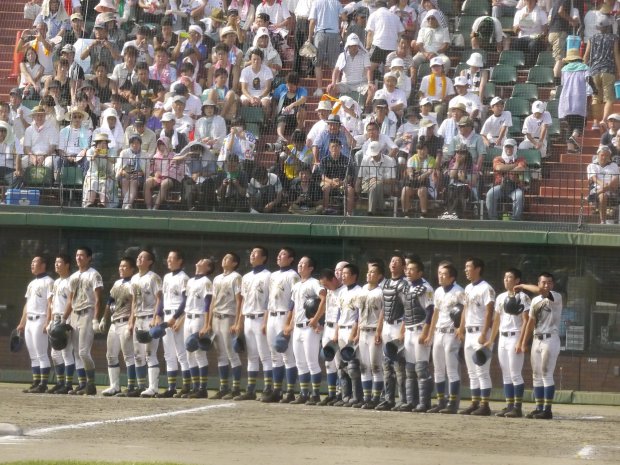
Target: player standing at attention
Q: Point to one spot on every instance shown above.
(32, 322)
(83, 308)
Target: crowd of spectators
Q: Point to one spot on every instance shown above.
(163, 99)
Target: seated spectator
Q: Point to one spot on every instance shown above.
(256, 83)
(151, 11)
(279, 16)
(475, 146)
(130, 168)
(385, 118)
(19, 116)
(472, 103)
(530, 24)
(508, 181)
(101, 50)
(407, 133)
(403, 81)
(111, 125)
(535, 128)
(183, 124)
(293, 158)
(166, 173)
(116, 35)
(210, 128)
(225, 98)
(321, 147)
(426, 6)
(358, 23)
(40, 141)
(264, 191)
(103, 85)
(487, 34)
(146, 52)
(232, 186)
(305, 194)
(386, 144)
(245, 14)
(352, 71)
(60, 80)
(10, 161)
(145, 109)
(376, 177)
(193, 104)
(501, 8)
(76, 72)
(438, 87)
(221, 55)
(36, 40)
(476, 76)
(231, 36)
(54, 15)
(613, 126)
(337, 172)
(94, 104)
(161, 70)
(54, 109)
(496, 126)
(148, 140)
(603, 175)
(83, 103)
(31, 72)
(240, 143)
(404, 53)
(194, 41)
(76, 31)
(213, 26)
(166, 38)
(73, 142)
(271, 57)
(145, 88)
(199, 188)
(421, 179)
(408, 17)
(427, 109)
(123, 73)
(449, 127)
(433, 42)
(323, 109)
(395, 97)
(460, 179)
(434, 142)
(99, 180)
(178, 140)
(573, 105)
(290, 102)
(350, 114)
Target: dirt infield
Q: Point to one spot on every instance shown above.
(205, 431)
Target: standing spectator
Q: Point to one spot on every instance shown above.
(508, 183)
(603, 175)
(324, 32)
(302, 11)
(101, 50)
(560, 24)
(573, 100)
(264, 191)
(530, 24)
(535, 128)
(36, 40)
(382, 32)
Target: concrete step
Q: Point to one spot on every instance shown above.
(555, 191)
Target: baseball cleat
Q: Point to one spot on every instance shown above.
(421, 409)
(436, 408)
(135, 392)
(333, 401)
(370, 405)
(32, 386)
(91, 389)
(468, 411)
(385, 406)
(532, 413)
(483, 411)
(514, 413)
(38, 389)
(403, 408)
(359, 404)
(450, 409)
(54, 388)
(64, 389)
(232, 394)
(109, 392)
(219, 395)
(168, 393)
(288, 398)
(75, 390)
(325, 401)
(300, 400)
(504, 411)
(150, 393)
(313, 400)
(246, 396)
(544, 415)
(266, 396)
(199, 394)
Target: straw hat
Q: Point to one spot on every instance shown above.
(73, 110)
(572, 55)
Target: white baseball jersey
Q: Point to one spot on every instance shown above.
(445, 301)
(547, 313)
(225, 290)
(477, 297)
(350, 304)
(196, 290)
(122, 294)
(332, 305)
(508, 322)
(83, 285)
(145, 289)
(533, 126)
(172, 289)
(38, 292)
(60, 295)
(280, 289)
(255, 292)
(302, 291)
(372, 300)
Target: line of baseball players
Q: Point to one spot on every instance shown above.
(375, 340)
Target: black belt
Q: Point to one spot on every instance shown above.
(168, 312)
(473, 329)
(446, 330)
(302, 325)
(221, 316)
(368, 329)
(417, 327)
(543, 336)
(121, 320)
(34, 317)
(189, 316)
(253, 316)
(508, 333)
(395, 322)
(277, 313)
(346, 327)
(329, 324)
(80, 312)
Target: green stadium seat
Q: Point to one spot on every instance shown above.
(512, 57)
(476, 8)
(507, 22)
(446, 7)
(504, 75)
(464, 27)
(540, 75)
(552, 108)
(460, 67)
(532, 156)
(516, 130)
(424, 70)
(517, 106)
(554, 130)
(489, 91)
(545, 58)
(525, 91)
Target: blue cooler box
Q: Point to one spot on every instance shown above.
(22, 197)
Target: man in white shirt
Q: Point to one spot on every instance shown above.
(324, 32)
(352, 72)
(376, 177)
(40, 140)
(535, 129)
(496, 126)
(530, 24)
(603, 176)
(472, 102)
(382, 32)
(21, 117)
(432, 41)
(395, 97)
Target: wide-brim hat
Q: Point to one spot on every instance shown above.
(228, 30)
(101, 137)
(103, 4)
(71, 111)
(38, 110)
(217, 14)
(572, 55)
(475, 60)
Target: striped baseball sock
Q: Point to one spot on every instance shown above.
(187, 379)
(223, 372)
(316, 383)
(278, 376)
(81, 375)
(332, 380)
(539, 397)
(195, 372)
(549, 393)
(36, 375)
(455, 389)
(485, 395)
(131, 377)
(475, 395)
(519, 389)
(377, 388)
(45, 374)
(141, 373)
(172, 379)
(69, 372)
(267, 380)
(291, 379)
(440, 387)
(204, 376)
(509, 394)
(60, 374)
(90, 376)
(304, 383)
(367, 389)
(236, 378)
(252, 375)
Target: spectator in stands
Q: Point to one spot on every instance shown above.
(561, 23)
(235, 54)
(408, 17)
(460, 177)
(407, 133)
(496, 125)
(376, 177)
(426, 7)
(193, 104)
(487, 34)
(403, 81)
(613, 126)
(476, 75)
(279, 15)
(323, 109)
(101, 50)
(130, 169)
(225, 98)
(382, 32)
(321, 147)
(350, 114)
(82, 102)
(221, 55)
(31, 72)
(232, 185)
(432, 44)
(256, 83)
(240, 143)
(245, 11)
(183, 124)
(264, 191)
(111, 125)
(73, 142)
(508, 171)
(385, 118)
(199, 188)
(473, 104)
(530, 24)
(386, 144)
(99, 180)
(337, 172)
(145, 109)
(54, 108)
(603, 176)
(165, 37)
(434, 142)
(427, 110)
(165, 172)
(104, 86)
(146, 52)
(211, 127)
(352, 71)
(36, 39)
(404, 53)
(194, 41)
(161, 70)
(94, 104)
(603, 55)
(305, 194)
(358, 23)
(19, 116)
(123, 72)
(145, 88)
(178, 140)
(77, 29)
(148, 140)
(116, 35)
(449, 127)
(474, 143)
(150, 11)
(60, 80)
(10, 161)
(54, 15)
(421, 179)
(438, 87)
(395, 97)
(292, 159)
(40, 140)
(501, 8)
(535, 128)
(324, 32)
(271, 57)
(573, 106)
(76, 72)
(301, 11)
(290, 106)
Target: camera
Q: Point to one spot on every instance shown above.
(275, 147)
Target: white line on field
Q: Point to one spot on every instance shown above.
(91, 424)
(586, 452)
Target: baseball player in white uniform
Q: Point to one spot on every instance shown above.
(333, 286)
(442, 335)
(83, 309)
(544, 323)
(278, 317)
(64, 360)
(33, 320)
(255, 300)
(118, 311)
(195, 306)
(369, 336)
(511, 329)
(174, 341)
(419, 310)
(307, 333)
(475, 330)
(147, 299)
(221, 320)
